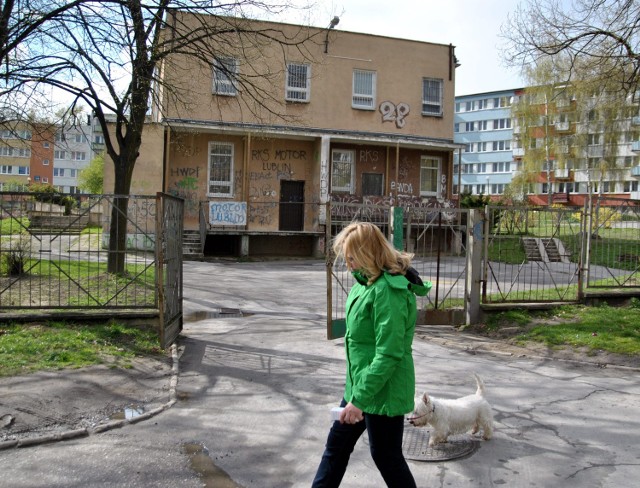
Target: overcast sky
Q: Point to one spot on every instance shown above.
(472, 26)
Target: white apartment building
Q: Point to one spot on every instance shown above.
(483, 123)
(571, 138)
(74, 148)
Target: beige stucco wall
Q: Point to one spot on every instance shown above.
(147, 173)
(400, 67)
(259, 167)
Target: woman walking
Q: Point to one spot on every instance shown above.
(380, 379)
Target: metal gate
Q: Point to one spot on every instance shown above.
(437, 237)
(54, 253)
(613, 247)
(532, 254)
(169, 229)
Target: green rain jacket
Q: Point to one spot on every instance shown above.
(381, 320)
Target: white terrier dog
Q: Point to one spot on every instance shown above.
(454, 416)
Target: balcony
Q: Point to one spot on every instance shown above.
(635, 146)
(562, 173)
(635, 171)
(518, 152)
(563, 126)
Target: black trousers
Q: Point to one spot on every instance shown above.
(385, 444)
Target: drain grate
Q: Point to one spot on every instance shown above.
(415, 446)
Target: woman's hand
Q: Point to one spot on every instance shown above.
(351, 414)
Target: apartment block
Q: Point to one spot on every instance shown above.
(75, 147)
(483, 124)
(26, 155)
(47, 154)
(574, 145)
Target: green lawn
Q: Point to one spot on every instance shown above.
(58, 345)
(612, 329)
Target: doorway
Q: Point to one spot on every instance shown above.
(291, 205)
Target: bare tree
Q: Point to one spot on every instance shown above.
(110, 56)
(598, 36)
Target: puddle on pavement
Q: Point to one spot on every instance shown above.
(215, 314)
(212, 476)
(128, 413)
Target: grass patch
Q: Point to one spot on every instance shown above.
(605, 328)
(58, 345)
(510, 318)
(12, 225)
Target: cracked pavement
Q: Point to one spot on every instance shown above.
(256, 390)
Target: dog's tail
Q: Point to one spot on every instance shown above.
(480, 383)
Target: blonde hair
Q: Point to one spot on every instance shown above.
(373, 253)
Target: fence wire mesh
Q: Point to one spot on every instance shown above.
(55, 254)
(614, 244)
(532, 255)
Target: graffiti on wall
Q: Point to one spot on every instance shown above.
(228, 213)
(401, 187)
(369, 156)
(185, 185)
(395, 113)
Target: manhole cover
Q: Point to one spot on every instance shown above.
(415, 446)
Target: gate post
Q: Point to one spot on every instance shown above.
(474, 266)
(397, 227)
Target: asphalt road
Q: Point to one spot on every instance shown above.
(257, 380)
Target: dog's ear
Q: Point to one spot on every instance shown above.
(425, 398)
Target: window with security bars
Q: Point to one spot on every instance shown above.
(224, 73)
(431, 96)
(372, 184)
(364, 89)
(342, 168)
(220, 169)
(429, 175)
(298, 82)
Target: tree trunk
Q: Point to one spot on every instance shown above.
(119, 218)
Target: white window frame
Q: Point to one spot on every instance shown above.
(296, 92)
(436, 165)
(364, 93)
(226, 183)
(224, 71)
(432, 101)
(343, 156)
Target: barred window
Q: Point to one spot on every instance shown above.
(364, 89)
(298, 82)
(220, 169)
(224, 75)
(342, 170)
(431, 96)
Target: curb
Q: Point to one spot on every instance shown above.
(115, 424)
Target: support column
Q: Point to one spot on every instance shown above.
(244, 245)
(325, 159)
(474, 266)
